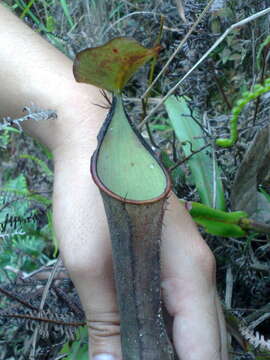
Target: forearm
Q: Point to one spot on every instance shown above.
(34, 71)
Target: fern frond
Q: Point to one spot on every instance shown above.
(40, 163)
(34, 113)
(255, 338)
(47, 322)
(26, 195)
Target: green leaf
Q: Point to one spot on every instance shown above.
(200, 164)
(262, 46)
(50, 24)
(26, 10)
(159, 127)
(39, 199)
(12, 129)
(79, 348)
(41, 163)
(217, 222)
(28, 196)
(110, 66)
(265, 193)
(19, 183)
(66, 12)
(52, 233)
(14, 201)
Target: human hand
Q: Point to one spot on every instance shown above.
(43, 75)
(188, 270)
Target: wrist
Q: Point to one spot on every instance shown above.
(78, 123)
(43, 76)
(75, 129)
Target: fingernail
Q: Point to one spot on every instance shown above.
(104, 357)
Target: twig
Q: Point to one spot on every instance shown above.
(34, 113)
(187, 158)
(181, 10)
(18, 299)
(174, 151)
(193, 27)
(257, 313)
(259, 320)
(219, 40)
(39, 274)
(222, 92)
(42, 302)
(150, 80)
(128, 15)
(151, 138)
(41, 318)
(229, 287)
(71, 304)
(214, 175)
(214, 165)
(229, 293)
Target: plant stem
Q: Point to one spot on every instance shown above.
(135, 234)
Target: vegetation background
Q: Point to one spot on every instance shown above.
(28, 249)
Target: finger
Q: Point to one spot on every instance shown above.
(81, 229)
(189, 287)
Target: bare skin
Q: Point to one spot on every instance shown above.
(33, 71)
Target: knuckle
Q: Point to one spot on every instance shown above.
(99, 330)
(104, 333)
(102, 326)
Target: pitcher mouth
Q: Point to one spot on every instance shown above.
(124, 165)
(104, 188)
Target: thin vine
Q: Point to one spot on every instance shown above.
(247, 96)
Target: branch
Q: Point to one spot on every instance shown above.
(213, 47)
(193, 27)
(34, 113)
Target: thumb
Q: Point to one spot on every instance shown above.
(86, 251)
(98, 298)
(104, 336)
